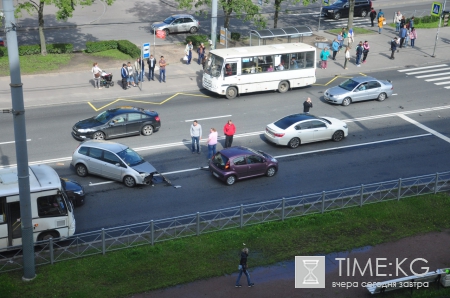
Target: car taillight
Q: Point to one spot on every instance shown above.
(278, 135)
(227, 166)
(157, 118)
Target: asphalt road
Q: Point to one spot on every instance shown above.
(381, 146)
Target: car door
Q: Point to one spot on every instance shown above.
(374, 89)
(177, 25)
(240, 167)
(304, 131)
(321, 130)
(134, 123)
(360, 92)
(186, 26)
(256, 165)
(112, 166)
(117, 126)
(94, 161)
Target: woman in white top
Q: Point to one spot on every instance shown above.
(347, 56)
(212, 142)
(97, 73)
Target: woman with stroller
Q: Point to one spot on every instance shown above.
(97, 73)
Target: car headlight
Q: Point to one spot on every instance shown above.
(143, 175)
(345, 126)
(273, 160)
(80, 192)
(85, 130)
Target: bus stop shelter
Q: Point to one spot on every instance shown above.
(288, 32)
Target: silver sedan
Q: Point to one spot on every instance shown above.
(359, 89)
(297, 129)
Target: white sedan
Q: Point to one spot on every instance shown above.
(297, 129)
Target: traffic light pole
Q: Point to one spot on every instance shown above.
(437, 33)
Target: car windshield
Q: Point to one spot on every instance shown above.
(130, 157)
(104, 117)
(169, 20)
(215, 68)
(349, 85)
(219, 160)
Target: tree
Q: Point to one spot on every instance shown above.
(350, 14)
(278, 8)
(65, 11)
(244, 9)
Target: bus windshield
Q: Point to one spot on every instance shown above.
(215, 68)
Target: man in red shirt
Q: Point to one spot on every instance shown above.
(229, 130)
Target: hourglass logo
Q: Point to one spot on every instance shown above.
(310, 272)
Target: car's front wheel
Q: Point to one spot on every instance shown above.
(230, 180)
(337, 16)
(271, 172)
(364, 13)
(346, 101)
(129, 181)
(81, 170)
(231, 92)
(338, 136)
(193, 30)
(147, 130)
(381, 96)
(98, 135)
(294, 143)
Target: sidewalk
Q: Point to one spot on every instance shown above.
(77, 86)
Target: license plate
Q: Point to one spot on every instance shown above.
(215, 174)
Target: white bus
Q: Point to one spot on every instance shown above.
(51, 210)
(279, 67)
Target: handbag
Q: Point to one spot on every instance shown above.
(240, 267)
(384, 22)
(185, 58)
(97, 75)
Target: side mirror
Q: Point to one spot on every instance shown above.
(112, 123)
(117, 164)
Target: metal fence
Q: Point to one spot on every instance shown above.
(149, 233)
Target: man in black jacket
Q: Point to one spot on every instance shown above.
(243, 269)
(372, 15)
(151, 68)
(307, 105)
(393, 47)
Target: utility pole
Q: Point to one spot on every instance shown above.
(20, 136)
(439, 27)
(213, 24)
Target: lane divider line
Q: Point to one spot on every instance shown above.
(426, 128)
(12, 142)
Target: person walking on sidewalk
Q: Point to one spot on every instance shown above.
(402, 34)
(162, 70)
(324, 57)
(335, 47)
(366, 48)
(138, 69)
(372, 15)
(151, 67)
(201, 53)
(397, 19)
(196, 136)
(307, 104)
(413, 36)
(212, 142)
(381, 20)
(229, 130)
(340, 39)
(97, 73)
(347, 56)
(188, 52)
(124, 74)
(393, 47)
(351, 36)
(380, 14)
(243, 268)
(359, 51)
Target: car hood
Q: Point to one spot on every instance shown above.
(145, 167)
(334, 91)
(71, 185)
(159, 24)
(87, 123)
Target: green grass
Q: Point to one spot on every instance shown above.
(145, 268)
(357, 31)
(33, 64)
(114, 54)
(422, 25)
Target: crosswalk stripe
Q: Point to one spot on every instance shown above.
(425, 71)
(447, 87)
(438, 79)
(425, 67)
(433, 75)
(442, 83)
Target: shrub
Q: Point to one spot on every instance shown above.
(197, 39)
(60, 48)
(3, 52)
(29, 50)
(235, 36)
(128, 48)
(100, 46)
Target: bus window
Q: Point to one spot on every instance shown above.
(51, 206)
(282, 62)
(309, 59)
(215, 66)
(2, 211)
(230, 69)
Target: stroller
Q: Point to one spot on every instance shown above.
(106, 79)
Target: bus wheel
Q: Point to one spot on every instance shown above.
(47, 236)
(231, 92)
(283, 86)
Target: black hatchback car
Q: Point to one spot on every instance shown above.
(116, 123)
(341, 8)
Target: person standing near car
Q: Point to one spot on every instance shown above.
(162, 70)
(243, 268)
(124, 74)
(188, 52)
(373, 15)
(196, 136)
(151, 67)
(212, 142)
(307, 104)
(229, 130)
(97, 73)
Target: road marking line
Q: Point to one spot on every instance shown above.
(433, 75)
(426, 128)
(425, 71)
(447, 87)
(12, 142)
(425, 67)
(438, 79)
(208, 118)
(442, 83)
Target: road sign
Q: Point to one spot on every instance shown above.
(146, 50)
(223, 36)
(436, 8)
(161, 34)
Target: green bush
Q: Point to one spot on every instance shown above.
(197, 39)
(235, 36)
(60, 48)
(100, 46)
(128, 48)
(29, 50)
(3, 52)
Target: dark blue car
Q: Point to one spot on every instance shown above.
(340, 9)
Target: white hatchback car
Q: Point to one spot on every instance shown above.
(112, 160)
(297, 129)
